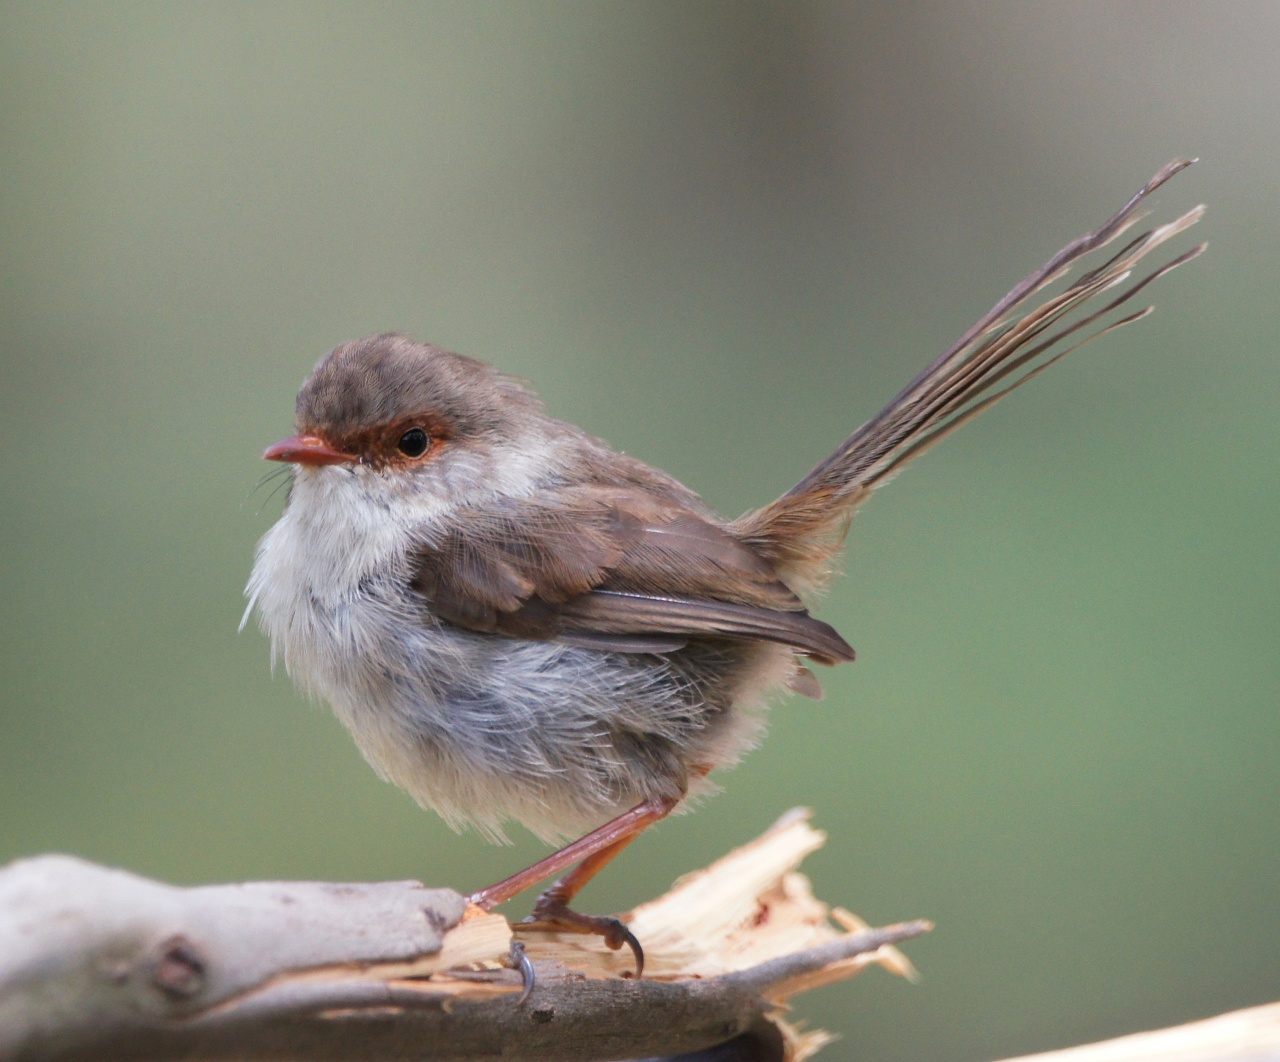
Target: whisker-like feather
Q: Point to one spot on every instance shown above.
(281, 474)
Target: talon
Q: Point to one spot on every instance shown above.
(519, 959)
(618, 934)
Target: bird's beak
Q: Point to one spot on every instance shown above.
(306, 450)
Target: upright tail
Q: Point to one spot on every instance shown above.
(803, 530)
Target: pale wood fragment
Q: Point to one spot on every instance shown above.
(1251, 1035)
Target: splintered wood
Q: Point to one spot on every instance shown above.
(750, 913)
(746, 908)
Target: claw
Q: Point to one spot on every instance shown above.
(616, 934)
(518, 959)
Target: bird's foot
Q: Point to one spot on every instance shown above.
(552, 910)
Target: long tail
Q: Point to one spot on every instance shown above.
(802, 531)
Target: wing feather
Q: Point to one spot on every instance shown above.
(611, 568)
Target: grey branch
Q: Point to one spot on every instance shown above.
(99, 963)
(102, 964)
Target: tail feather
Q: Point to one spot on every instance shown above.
(802, 531)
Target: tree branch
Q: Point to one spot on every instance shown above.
(101, 963)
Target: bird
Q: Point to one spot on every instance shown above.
(519, 623)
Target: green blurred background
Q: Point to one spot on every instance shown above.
(719, 235)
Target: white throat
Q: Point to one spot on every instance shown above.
(344, 525)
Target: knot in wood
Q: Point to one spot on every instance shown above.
(179, 968)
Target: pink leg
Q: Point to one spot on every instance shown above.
(594, 851)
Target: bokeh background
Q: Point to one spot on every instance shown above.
(719, 235)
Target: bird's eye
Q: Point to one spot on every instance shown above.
(414, 442)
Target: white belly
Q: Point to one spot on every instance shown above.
(480, 727)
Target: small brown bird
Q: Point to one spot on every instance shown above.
(516, 622)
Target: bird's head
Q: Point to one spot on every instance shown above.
(401, 417)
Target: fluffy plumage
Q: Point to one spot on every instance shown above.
(519, 623)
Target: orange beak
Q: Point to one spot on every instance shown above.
(306, 450)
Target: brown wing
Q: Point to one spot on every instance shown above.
(611, 568)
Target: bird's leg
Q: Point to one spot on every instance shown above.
(591, 853)
(553, 905)
(624, 827)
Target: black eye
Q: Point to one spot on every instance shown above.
(414, 442)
